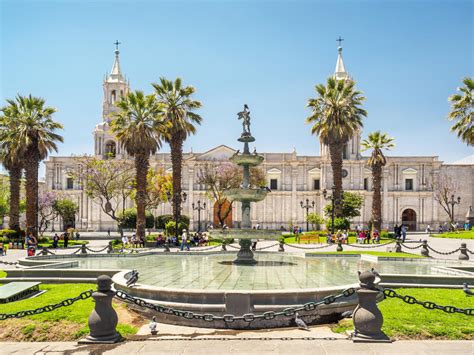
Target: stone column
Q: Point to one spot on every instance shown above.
(294, 177)
(385, 216)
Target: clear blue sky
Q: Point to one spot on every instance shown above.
(406, 56)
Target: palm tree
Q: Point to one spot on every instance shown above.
(177, 111)
(462, 111)
(377, 141)
(11, 159)
(34, 134)
(336, 116)
(138, 129)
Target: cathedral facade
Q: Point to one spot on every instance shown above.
(407, 187)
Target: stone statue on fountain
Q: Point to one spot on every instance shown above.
(245, 117)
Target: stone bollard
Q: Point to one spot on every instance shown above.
(424, 248)
(367, 318)
(103, 318)
(281, 247)
(339, 246)
(83, 249)
(44, 251)
(463, 255)
(167, 247)
(223, 247)
(110, 248)
(398, 246)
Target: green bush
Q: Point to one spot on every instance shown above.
(8, 235)
(339, 223)
(160, 221)
(128, 219)
(171, 225)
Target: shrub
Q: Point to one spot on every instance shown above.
(170, 228)
(128, 219)
(339, 223)
(160, 221)
(8, 234)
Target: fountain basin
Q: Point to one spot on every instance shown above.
(247, 159)
(247, 195)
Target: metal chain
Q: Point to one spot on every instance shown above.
(232, 246)
(8, 262)
(96, 251)
(267, 247)
(229, 318)
(412, 248)
(388, 292)
(209, 248)
(470, 251)
(370, 246)
(301, 247)
(49, 308)
(443, 253)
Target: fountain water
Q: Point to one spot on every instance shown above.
(246, 194)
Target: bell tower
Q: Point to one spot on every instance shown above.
(351, 150)
(115, 87)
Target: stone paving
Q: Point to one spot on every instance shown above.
(247, 347)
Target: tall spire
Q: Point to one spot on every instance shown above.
(340, 72)
(116, 73)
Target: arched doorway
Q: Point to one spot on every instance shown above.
(224, 210)
(409, 219)
(110, 149)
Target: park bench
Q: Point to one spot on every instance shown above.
(308, 238)
(15, 291)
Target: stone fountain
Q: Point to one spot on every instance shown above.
(246, 194)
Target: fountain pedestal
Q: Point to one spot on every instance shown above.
(245, 254)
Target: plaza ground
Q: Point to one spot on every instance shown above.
(186, 340)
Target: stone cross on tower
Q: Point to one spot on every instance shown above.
(340, 40)
(117, 45)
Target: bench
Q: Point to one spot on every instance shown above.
(308, 238)
(15, 291)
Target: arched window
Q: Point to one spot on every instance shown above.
(110, 149)
(113, 96)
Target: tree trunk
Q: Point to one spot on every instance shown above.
(141, 170)
(31, 173)
(335, 152)
(176, 146)
(377, 197)
(15, 186)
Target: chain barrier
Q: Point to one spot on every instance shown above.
(232, 246)
(301, 247)
(268, 247)
(470, 251)
(370, 246)
(49, 308)
(388, 292)
(9, 262)
(412, 248)
(229, 318)
(209, 248)
(97, 251)
(443, 253)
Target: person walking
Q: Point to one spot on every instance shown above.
(108, 233)
(66, 239)
(404, 233)
(55, 240)
(184, 238)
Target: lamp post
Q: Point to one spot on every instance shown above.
(177, 197)
(332, 198)
(199, 208)
(307, 207)
(453, 202)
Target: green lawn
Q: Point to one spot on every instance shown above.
(455, 235)
(62, 324)
(404, 321)
(322, 239)
(375, 253)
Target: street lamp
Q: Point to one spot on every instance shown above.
(333, 199)
(175, 198)
(199, 208)
(307, 207)
(453, 202)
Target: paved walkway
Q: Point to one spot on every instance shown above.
(247, 347)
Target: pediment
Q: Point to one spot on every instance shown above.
(220, 153)
(314, 171)
(274, 171)
(409, 171)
